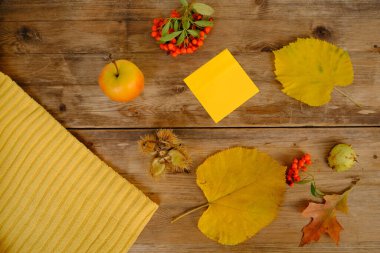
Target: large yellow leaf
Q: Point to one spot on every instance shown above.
(244, 188)
(310, 68)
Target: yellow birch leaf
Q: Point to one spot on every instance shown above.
(244, 188)
(308, 70)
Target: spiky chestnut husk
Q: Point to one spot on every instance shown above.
(180, 161)
(148, 143)
(157, 168)
(169, 156)
(167, 136)
(342, 157)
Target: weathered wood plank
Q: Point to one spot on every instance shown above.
(83, 69)
(266, 35)
(67, 86)
(134, 36)
(177, 193)
(38, 10)
(63, 37)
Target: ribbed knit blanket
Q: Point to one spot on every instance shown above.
(55, 194)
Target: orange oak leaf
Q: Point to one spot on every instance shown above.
(324, 219)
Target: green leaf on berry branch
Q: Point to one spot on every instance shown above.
(204, 23)
(181, 38)
(176, 23)
(170, 36)
(186, 24)
(166, 28)
(193, 33)
(184, 3)
(315, 192)
(305, 181)
(203, 9)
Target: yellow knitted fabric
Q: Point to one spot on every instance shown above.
(55, 195)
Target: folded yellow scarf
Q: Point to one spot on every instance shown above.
(55, 195)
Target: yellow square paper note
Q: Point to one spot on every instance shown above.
(221, 85)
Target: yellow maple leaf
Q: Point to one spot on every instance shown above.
(310, 68)
(244, 188)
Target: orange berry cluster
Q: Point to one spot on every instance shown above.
(292, 173)
(189, 45)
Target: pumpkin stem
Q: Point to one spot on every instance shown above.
(347, 96)
(190, 211)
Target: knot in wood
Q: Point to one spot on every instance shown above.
(321, 32)
(62, 107)
(27, 34)
(260, 2)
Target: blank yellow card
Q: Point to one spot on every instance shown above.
(221, 85)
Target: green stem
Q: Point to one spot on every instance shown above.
(312, 181)
(190, 211)
(319, 191)
(310, 175)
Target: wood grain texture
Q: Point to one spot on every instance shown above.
(71, 80)
(63, 37)
(67, 86)
(55, 50)
(63, 44)
(177, 193)
(146, 10)
(41, 37)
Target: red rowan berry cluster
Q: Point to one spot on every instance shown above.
(292, 173)
(185, 31)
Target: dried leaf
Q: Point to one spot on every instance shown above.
(244, 188)
(310, 68)
(324, 219)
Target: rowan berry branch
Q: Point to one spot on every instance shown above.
(185, 30)
(297, 169)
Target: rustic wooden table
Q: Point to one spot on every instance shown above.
(55, 49)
